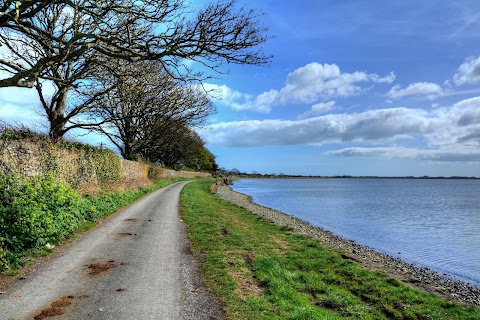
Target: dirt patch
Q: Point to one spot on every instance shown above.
(97, 268)
(282, 244)
(213, 188)
(121, 289)
(130, 220)
(246, 286)
(62, 302)
(249, 261)
(55, 309)
(47, 313)
(225, 232)
(126, 234)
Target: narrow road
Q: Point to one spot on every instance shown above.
(133, 266)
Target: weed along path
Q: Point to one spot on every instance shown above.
(134, 265)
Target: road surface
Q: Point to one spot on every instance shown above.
(135, 265)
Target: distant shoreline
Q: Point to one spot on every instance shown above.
(267, 176)
(428, 280)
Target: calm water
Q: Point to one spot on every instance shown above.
(432, 223)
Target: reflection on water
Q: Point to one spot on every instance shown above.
(432, 223)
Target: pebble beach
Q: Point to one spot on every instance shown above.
(423, 278)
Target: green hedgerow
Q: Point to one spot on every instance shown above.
(41, 210)
(36, 211)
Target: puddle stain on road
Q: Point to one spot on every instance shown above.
(57, 307)
(125, 234)
(97, 268)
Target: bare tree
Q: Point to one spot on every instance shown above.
(128, 30)
(66, 41)
(145, 99)
(14, 10)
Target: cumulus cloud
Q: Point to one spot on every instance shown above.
(468, 73)
(448, 133)
(315, 81)
(317, 109)
(307, 85)
(432, 90)
(18, 105)
(263, 102)
(409, 153)
(373, 125)
(232, 98)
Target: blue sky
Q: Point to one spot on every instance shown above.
(357, 88)
(354, 88)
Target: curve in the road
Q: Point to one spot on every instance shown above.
(127, 268)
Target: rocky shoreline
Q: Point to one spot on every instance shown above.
(423, 278)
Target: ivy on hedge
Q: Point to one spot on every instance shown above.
(48, 208)
(34, 212)
(90, 161)
(41, 210)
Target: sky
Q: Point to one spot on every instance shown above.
(386, 88)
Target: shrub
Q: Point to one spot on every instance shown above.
(34, 212)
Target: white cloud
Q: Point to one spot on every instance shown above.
(19, 96)
(263, 102)
(231, 98)
(429, 89)
(307, 85)
(373, 125)
(468, 73)
(448, 133)
(318, 109)
(14, 114)
(409, 153)
(17, 105)
(316, 81)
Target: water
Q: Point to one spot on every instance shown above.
(432, 223)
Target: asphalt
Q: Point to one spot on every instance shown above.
(136, 265)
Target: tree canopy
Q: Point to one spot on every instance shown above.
(124, 67)
(129, 30)
(143, 102)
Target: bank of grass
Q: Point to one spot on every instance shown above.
(37, 213)
(263, 271)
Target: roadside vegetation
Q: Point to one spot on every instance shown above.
(262, 271)
(38, 213)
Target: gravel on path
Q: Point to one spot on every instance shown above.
(133, 265)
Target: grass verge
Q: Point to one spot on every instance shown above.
(262, 271)
(37, 213)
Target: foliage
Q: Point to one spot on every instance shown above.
(89, 162)
(41, 210)
(23, 133)
(171, 143)
(66, 42)
(143, 102)
(20, 133)
(37, 211)
(154, 172)
(263, 271)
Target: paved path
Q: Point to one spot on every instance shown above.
(129, 267)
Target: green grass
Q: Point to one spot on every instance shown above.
(40, 211)
(262, 271)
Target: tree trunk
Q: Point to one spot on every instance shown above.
(57, 116)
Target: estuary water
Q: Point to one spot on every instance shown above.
(431, 223)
